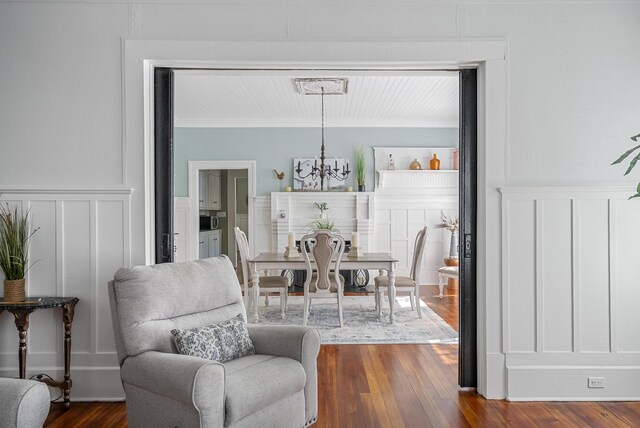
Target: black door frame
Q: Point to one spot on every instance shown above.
(468, 205)
(468, 194)
(163, 90)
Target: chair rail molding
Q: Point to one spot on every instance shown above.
(570, 292)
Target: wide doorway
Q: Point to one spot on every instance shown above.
(392, 231)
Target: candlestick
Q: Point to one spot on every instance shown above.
(355, 239)
(291, 242)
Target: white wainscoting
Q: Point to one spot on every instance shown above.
(398, 219)
(571, 292)
(84, 237)
(265, 229)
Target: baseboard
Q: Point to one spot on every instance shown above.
(495, 388)
(89, 383)
(569, 383)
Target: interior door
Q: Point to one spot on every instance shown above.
(467, 358)
(163, 163)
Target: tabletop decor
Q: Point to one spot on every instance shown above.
(323, 224)
(452, 225)
(632, 164)
(291, 250)
(15, 234)
(355, 250)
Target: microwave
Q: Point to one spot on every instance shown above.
(208, 222)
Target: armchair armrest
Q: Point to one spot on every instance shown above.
(298, 343)
(193, 381)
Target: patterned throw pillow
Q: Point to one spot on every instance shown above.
(218, 342)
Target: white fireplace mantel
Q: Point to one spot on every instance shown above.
(294, 211)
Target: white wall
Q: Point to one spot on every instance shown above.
(572, 92)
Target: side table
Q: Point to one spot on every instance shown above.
(21, 312)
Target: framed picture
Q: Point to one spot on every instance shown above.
(310, 184)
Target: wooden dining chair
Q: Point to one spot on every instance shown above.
(266, 284)
(409, 283)
(322, 251)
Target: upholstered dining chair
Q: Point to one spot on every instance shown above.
(409, 283)
(267, 284)
(322, 251)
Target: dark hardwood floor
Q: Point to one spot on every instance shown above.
(402, 386)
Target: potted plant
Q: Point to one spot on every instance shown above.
(632, 164)
(14, 251)
(360, 167)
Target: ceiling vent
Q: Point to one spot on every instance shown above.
(314, 86)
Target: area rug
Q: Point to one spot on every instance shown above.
(361, 325)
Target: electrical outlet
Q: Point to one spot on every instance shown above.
(596, 382)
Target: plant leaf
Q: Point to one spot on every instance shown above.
(635, 137)
(638, 188)
(633, 163)
(625, 154)
(637, 195)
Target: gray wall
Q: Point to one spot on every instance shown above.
(275, 148)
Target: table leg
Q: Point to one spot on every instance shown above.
(67, 318)
(392, 291)
(377, 296)
(255, 278)
(22, 324)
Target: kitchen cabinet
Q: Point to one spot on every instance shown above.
(203, 245)
(210, 194)
(203, 179)
(214, 243)
(214, 191)
(209, 243)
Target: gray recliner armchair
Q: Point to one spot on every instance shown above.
(276, 387)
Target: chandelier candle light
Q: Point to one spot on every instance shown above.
(333, 86)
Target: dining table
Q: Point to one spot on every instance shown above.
(377, 261)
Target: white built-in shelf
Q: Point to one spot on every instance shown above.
(417, 179)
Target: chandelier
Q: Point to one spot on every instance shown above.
(323, 171)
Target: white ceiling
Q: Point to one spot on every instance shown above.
(228, 99)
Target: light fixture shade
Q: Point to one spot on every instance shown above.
(314, 86)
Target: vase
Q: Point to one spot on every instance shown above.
(453, 247)
(415, 165)
(14, 290)
(434, 163)
(360, 187)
